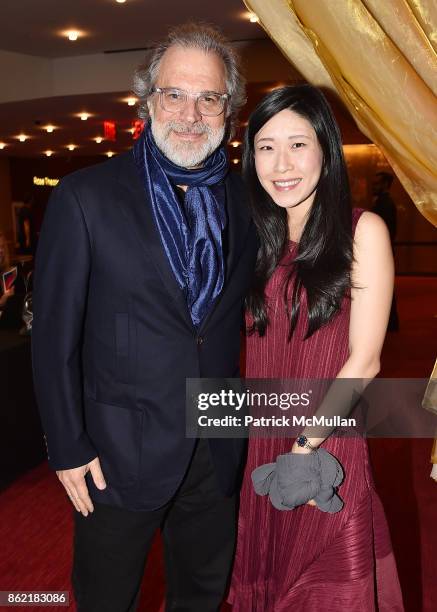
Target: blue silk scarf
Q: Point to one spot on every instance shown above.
(192, 238)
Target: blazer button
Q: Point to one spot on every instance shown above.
(199, 340)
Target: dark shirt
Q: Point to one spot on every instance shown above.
(386, 209)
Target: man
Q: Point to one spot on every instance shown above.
(384, 206)
(142, 267)
(11, 291)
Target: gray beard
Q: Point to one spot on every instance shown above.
(186, 154)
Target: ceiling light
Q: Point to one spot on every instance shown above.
(120, 1)
(71, 147)
(235, 161)
(131, 101)
(49, 128)
(84, 116)
(109, 153)
(253, 18)
(235, 144)
(48, 153)
(22, 137)
(73, 34)
(2, 145)
(98, 139)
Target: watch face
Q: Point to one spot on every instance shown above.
(301, 441)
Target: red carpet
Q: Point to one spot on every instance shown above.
(35, 516)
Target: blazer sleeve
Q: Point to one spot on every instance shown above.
(60, 290)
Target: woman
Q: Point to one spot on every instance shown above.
(11, 299)
(318, 308)
(4, 267)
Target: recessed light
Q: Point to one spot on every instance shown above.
(130, 101)
(235, 161)
(109, 153)
(71, 147)
(84, 116)
(235, 144)
(2, 145)
(48, 153)
(253, 18)
(98, 139)
(22, 137)
(120, 1)
(72, 34)
(49, 128)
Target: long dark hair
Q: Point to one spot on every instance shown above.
(324, 258)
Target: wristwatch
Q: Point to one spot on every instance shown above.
(302, 441)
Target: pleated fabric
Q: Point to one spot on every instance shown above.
(306, 559)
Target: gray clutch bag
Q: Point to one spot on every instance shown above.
(296, 478)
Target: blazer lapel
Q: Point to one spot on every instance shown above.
(238, 226)
(136, 208)
(238, 222)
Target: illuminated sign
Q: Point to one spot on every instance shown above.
(44, 182)
(109, 130)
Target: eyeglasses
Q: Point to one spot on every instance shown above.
(208, 103)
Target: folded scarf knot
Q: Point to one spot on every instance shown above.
(191, 235)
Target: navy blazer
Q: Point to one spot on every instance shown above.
(113, 341)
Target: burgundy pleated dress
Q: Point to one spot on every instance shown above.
(305, 559)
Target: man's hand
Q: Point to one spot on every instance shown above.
(74, 483)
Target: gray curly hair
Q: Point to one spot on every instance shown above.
(199, 36)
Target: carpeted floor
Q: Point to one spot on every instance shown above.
(36, 520)
(401, 467)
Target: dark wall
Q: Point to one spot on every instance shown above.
(22, 171)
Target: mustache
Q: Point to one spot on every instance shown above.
(197, 128)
